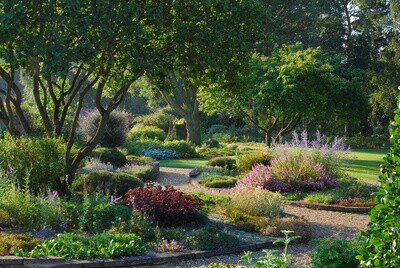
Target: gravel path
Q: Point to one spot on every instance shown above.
(325, 223)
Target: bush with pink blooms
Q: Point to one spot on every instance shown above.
(289, 173)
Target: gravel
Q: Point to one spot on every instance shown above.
(324, 223)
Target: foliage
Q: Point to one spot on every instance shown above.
(139, 160)
(216, 129)
(166, 207)
(209, 238)
(211, 144)
(270, 259)
(20, 208)
(373, 141)
(216, 265)
(205, 171)
(110, 155)
(217, 181)
(168, 246)
(160, 117)
(247, 161)
(145, 173)
(255, 202)
(136, 147)
(140, 131)
(215, 152)
(115, 131)
(94, 164)
(114, 183)
(10, 242)
(36, 162)
(159, 153)
(183, 148)
(224, 162)
(107, 216)
(335, 253)
(381, 248)
(274, 227)
(78, 246)
(289, 173)
(210, 201)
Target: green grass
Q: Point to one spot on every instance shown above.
(184, 163)
(366, 165)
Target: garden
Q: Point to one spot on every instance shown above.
(178, 133)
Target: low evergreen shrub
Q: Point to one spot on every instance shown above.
(140, 131)
(110, 155)
(209, 238)
(224, 162)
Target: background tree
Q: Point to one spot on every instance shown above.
(292, 83)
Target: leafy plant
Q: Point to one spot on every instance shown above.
(159, 153)
(94, 164)
(335, 253)
(78, 246)
(217, 181)
(135, 147)
(206, 171)
(211, 143)
(168, 246)
(270, 259)
(382, 246)
(166, 207)
(10, 242)
(144, 172)
(110, 155)
(247, 161)
(183, 148)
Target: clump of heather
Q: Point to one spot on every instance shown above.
(289, 173)
(168, 246)
(94, 164)
(330, 154)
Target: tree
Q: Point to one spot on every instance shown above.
(218, 36)
(275, 92)
(68, 49)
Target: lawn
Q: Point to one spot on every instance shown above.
(366, 164)
(184, 163)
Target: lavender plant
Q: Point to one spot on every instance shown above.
(94, 164)
(168, 246)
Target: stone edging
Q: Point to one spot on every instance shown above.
(329, 207)
(151, 259)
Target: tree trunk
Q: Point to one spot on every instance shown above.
(268, 138)
(193, 128)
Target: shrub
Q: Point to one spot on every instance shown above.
(218, 181)
(20, 209)
(94, 164)
(109, 155)
(211, 144)
(215, 152)
(168, 207)
(289, 173)
(209, 238)
(205, 171)
(79, 246)
(37, 162)
(139, 160)
(140, 131)
(216, 129)
(10, 242)
(183, 148)
(159, 117)
(210, 201)
(136, 147)
(144, 172)
(224, 162)
(138, 224)
(232, 146)
(255, 202)
(159, 153)
(248, 161)
(168, 246)
(274, 227)
(373, 141)
(109, 215)
(335, 253)
(115, 131)
(118, 183)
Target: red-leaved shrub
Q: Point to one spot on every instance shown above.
(167, 207)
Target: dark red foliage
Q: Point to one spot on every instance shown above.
(168, 207)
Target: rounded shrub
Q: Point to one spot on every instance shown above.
(136, 147)
(144, 172)
(224, 162)
(183, 148)
(248, 161)
(166, 207)
(115, 130)
(105, 217)
(140, 131)
(217, 181)
(110, 155)
(209, 238)
(211, 143)
(118, 183)
(140, 160)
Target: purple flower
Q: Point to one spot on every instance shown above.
(114, 200)
(44, 232)
(64, 224)
(53, 194)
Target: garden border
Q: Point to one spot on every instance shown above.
(329, 207)
(151, 259)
